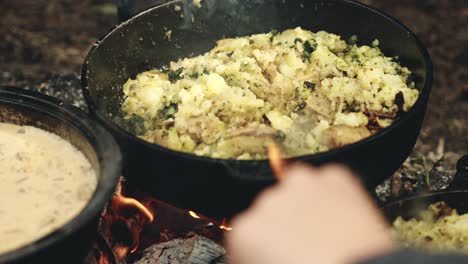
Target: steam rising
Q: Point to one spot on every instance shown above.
(226, 11)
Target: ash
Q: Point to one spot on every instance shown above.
(421, 173)
(64, 87)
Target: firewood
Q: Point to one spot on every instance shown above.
(194, 250)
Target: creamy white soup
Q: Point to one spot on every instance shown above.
(44, 182)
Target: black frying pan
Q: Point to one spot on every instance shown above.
(224, 187)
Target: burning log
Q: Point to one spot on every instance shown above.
(194, 249)
(101, 252)
(169, 234)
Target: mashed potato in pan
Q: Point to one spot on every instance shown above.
(439, 229)
(310, 92)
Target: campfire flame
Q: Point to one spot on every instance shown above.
(194, 215)
(121, 251)
(224, 225)
(130, 202)
(104, 260)
(129, 216)
(125, 218)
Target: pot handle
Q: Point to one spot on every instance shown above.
(460, 180)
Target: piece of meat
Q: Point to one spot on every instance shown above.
(338, 136)
(313, 77)
(238, 146)
(258, 131)
(321, 105)
(382, 114)
(167, 123)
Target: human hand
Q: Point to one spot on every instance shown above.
(313, 216)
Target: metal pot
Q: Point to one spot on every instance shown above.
(456, 196)
(71, 242)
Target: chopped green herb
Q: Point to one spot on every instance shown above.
(409, 79)
(279, 136)
(273, 34)
(136, 125)
(251, 41)
(296, 40)
(169, 111)
(309, 85)
(165, 69)
(194, 75)
(205, 71)
(353, 40)
(300, 106)
(352, 107)
(175, 75)
(426, 173)
(308, 49)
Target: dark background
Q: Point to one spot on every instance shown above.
(43, 44)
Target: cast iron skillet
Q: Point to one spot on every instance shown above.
(72, 242)
(224, 187)
(456, 196)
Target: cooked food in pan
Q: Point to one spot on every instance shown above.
(45, 182)
(309, 92)
(439, 228)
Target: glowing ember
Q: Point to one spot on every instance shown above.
(224, 225)
(194, 215)
(103, 260)
(120, 251)
(129, 224)
(277, 163)
(227, 228)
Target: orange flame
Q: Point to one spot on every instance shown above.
(224, 225)
(194, 215)
(126, 218)
(130, 202)
(104, 260)
(121, 251)
(130, 212)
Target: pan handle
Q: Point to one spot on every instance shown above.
(460, 180)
